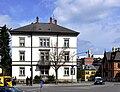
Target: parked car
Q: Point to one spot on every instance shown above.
(99, 80)
(9, 89)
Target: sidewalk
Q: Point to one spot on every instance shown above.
(59, 84)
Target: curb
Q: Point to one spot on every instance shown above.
(65, 85)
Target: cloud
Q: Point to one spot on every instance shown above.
(97, 21)
(5, 19)
(84, 45)
(84, 10)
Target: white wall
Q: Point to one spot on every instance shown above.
(35, 54)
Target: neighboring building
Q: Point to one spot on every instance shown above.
(84, 61)
(31, 48)
(94, 60)
(97, 63)
(111, 65)
(88, 61)
(88, 72)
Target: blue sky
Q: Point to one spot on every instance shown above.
(98, 21)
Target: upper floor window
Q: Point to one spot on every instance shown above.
(44, 42)
(66, 42)
(22, 55)
(66, 55)
(22, 71)
(92, 72)
(86, 72)
(22, 41)
(44, 57)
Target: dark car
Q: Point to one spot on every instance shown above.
(99, 80)
(9, 89)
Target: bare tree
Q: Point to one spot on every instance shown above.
(57, 59)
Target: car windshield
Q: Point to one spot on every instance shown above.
(99, 79)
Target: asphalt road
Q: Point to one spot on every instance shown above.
(76, 88)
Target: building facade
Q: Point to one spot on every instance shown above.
(111, 66)
(38, 48)
(86, 69)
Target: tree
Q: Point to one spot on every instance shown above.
(5, 51)
(57, 59)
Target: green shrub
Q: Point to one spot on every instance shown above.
(51, 79)
(37, 79)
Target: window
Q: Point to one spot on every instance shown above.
(22, 41)
(92, 72)
(22, 71)
(86, 72)
(66, 71)
(66, 58)
(22, 55)
(44, 71)
(44, 57)
(44, 42)
(118, 65)
(66, 42)
(72, 71)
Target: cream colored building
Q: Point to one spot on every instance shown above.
(32, 46)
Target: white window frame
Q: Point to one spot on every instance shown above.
(44, 42)
(22, 55)
(73, 71)
(66, 71)
(45, 71)
(22, 41)
(66, 55)
(66, 42)
(21, 71)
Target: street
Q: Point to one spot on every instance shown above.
(108, 87)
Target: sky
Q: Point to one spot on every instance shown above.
(98, 21)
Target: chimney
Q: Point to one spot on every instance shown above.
(55, 22)
(50, 20)
(37, 19)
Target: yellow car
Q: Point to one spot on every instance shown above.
(5, 81)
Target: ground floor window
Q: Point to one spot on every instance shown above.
(44, 71)
(66, 71)
(72, 71)
(21, 71)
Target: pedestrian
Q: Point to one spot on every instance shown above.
(15, 80)
(27, 81)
